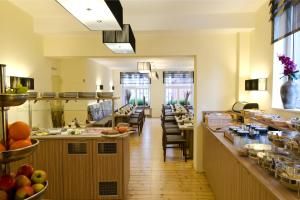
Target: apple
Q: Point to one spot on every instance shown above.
(24, 192)
(7, 182)
(39, 176)
(3, 195)
(22, 180)
(26, 170)
(37, 187)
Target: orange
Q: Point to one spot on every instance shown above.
(19, 131)
(2, 148)
(123, 129)
(20, 144)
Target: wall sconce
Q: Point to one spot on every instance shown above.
(113, 87)
(256, 84)
(100, 87)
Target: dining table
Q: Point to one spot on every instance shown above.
(187, 127)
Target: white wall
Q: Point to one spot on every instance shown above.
(22, 52)
(260, 63)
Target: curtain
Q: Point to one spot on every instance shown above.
(285, 17)
(134, 78)
(178, 77)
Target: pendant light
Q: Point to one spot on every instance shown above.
(144, 67)
(96, 14)
(154, 75)
(120, 41)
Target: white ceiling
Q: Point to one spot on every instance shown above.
(161, 63)
(145, 15)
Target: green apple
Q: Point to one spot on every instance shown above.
(39, 176)
(37, 187)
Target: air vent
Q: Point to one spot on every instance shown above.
(108, 188)
(77, 148)
(107, 148)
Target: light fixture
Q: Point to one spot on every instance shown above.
(256, 84)
(113, 87)
(120, 41)
(96, 14)
(144, 67)
(154, 75)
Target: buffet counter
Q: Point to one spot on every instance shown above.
(234, 177)
(86, 166)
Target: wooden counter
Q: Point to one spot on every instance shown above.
(237, 178)
(85, 167)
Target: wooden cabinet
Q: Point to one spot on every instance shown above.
(83, 169)
(108, 180)
(48, 157)
(77, 169)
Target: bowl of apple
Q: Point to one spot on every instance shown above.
(26, 184)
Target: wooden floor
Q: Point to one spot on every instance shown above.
(151, 178)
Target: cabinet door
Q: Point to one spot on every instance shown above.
(108, 167)
(47, 157)
(77, 169)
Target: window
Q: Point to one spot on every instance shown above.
(286, 39)
(177, 85)
(137, 86)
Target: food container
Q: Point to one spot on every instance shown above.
(48, 94)
(255, 148)
(33, 94)
(280, 123)
(242, 132)
(68, 94)
(86, 94)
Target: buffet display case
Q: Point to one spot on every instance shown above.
(267, 150)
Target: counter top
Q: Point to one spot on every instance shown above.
(94, 133)
(269, 182)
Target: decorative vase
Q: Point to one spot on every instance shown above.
(289, 94)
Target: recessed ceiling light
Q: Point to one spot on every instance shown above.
(88, 12)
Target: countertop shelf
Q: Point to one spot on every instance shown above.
(71, 98)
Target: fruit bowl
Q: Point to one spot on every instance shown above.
(18, 154)
(38, 195)
(7, 100)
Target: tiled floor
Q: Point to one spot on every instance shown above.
(151, 178)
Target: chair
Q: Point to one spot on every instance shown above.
(172, 138)
(137, 122)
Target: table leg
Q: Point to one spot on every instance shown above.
(189, 135)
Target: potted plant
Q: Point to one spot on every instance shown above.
(289, 90)
(186, 97)
(127, 96)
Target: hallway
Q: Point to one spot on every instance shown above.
(151, 178)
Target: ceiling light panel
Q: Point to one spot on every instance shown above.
(96, 14)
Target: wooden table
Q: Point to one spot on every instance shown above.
(188, 132)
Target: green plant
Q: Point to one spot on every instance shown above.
(183, 102)
(138, 102)
(132, 101)
(172, 102)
